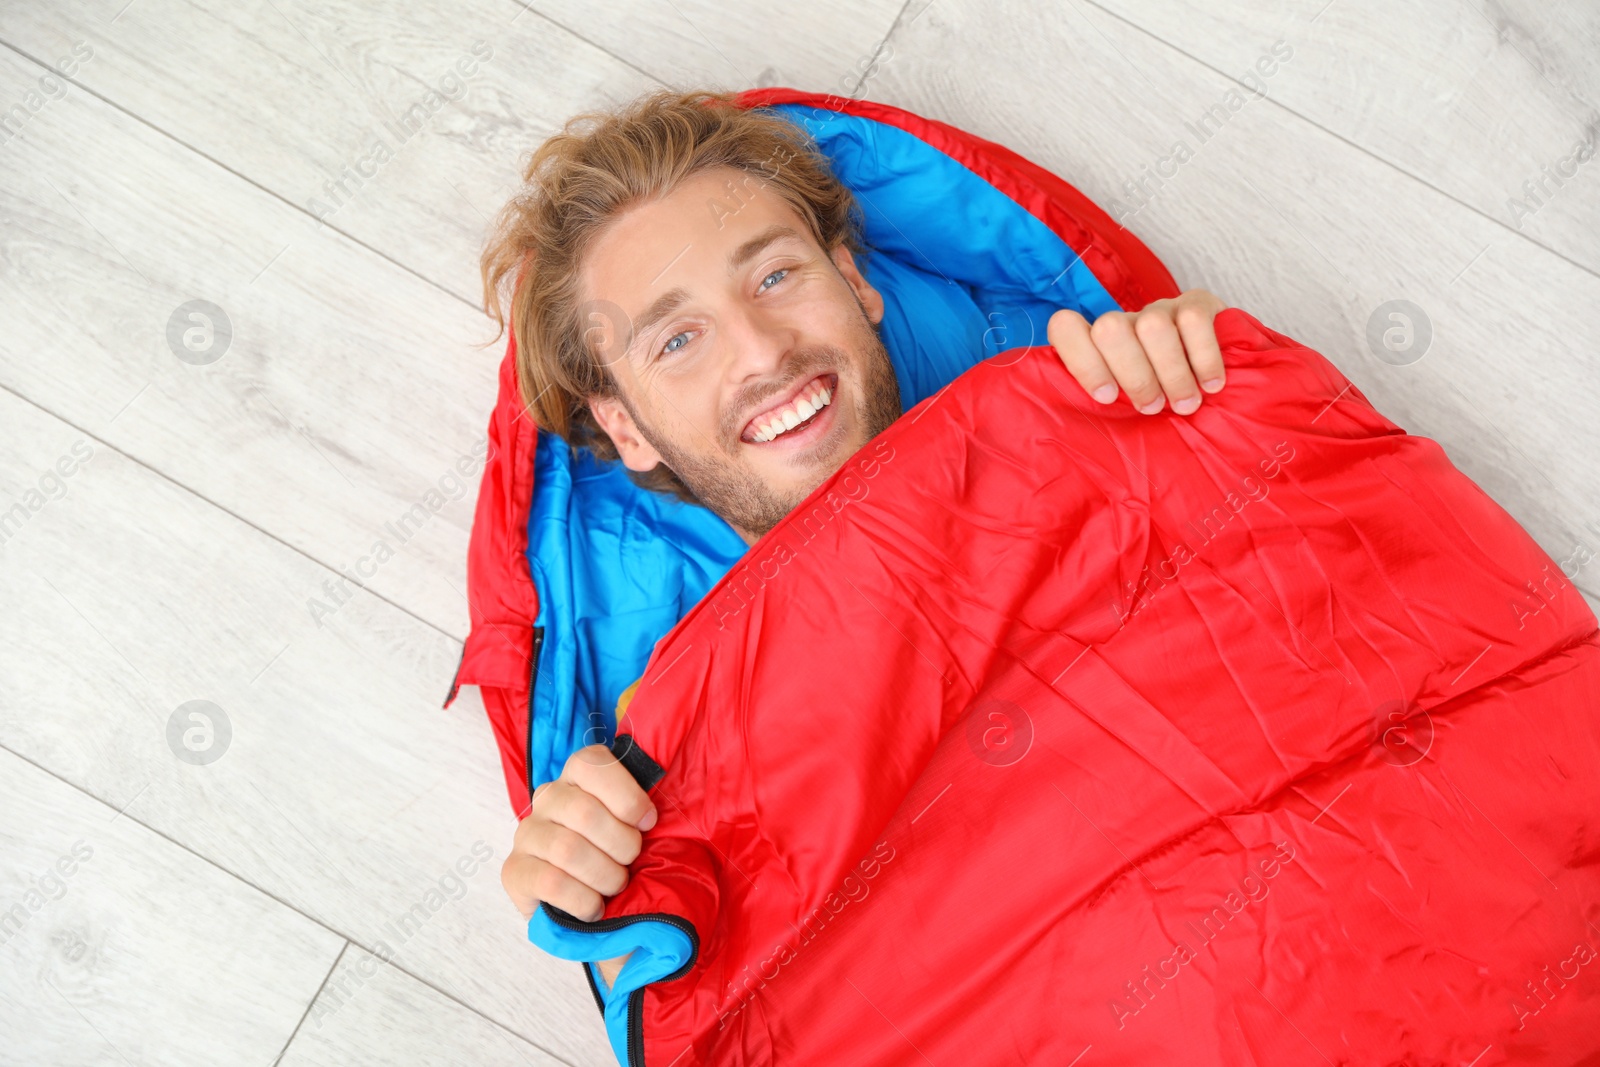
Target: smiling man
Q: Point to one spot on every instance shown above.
(758, 372)
(728, 356)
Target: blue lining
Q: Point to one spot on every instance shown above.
(657, 949)
(965, 273)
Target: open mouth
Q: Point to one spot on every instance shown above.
(798, 417)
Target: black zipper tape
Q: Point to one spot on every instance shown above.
(533, 682)
(646, 771)
(636, 998)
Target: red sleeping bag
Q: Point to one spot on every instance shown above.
(1052, 733)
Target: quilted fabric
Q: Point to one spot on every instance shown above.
(574, 572)
(1050, 733)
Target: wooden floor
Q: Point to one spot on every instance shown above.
(181, 516)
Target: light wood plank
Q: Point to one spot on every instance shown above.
(370, 1013)
(348, 393)
(1287, 221)
(1487, 102)
(340, 787)
(297, 94)
(118, 947)
(824, 46)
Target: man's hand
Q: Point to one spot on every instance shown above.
(1155, 355)
(583, 829)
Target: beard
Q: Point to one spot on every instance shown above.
(739, 495)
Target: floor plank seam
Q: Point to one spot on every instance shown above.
(310, 1004)
(170, 480)
(1369, 153)
(298, 209)
(314, 920)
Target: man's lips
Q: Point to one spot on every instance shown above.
(785, 413)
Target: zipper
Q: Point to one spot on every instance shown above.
(594, 988)
(533, 682)
(636, 999)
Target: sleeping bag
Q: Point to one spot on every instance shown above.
(1051, 733)
(574, 572)
(1046, 733)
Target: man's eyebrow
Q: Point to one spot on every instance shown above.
(752, 248)
(672, 299)
(660, 308)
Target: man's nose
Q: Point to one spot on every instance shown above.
(758, 344)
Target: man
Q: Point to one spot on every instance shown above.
(730, 358)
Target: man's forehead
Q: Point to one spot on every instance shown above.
(695, 235)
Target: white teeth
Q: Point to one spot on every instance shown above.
(803, 409)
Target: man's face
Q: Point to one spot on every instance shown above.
(753, 368)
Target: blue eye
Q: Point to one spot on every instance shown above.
(668, 348)
(775, 274)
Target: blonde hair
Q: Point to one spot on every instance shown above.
(599, 165)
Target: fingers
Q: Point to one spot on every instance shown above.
(1068, 332)
(1163, 348)
(1195, 317)
(1113, 334)
(581, 832)
(528, 880)
(571, 807)
(597, 772)
(1165, 353)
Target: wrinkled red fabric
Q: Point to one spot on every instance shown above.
(1052, 733)
(498, 654)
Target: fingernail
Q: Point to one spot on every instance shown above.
(649, 820)
(1105, 394)
(1186, 406)
(1154, 406)
(1211, 385)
